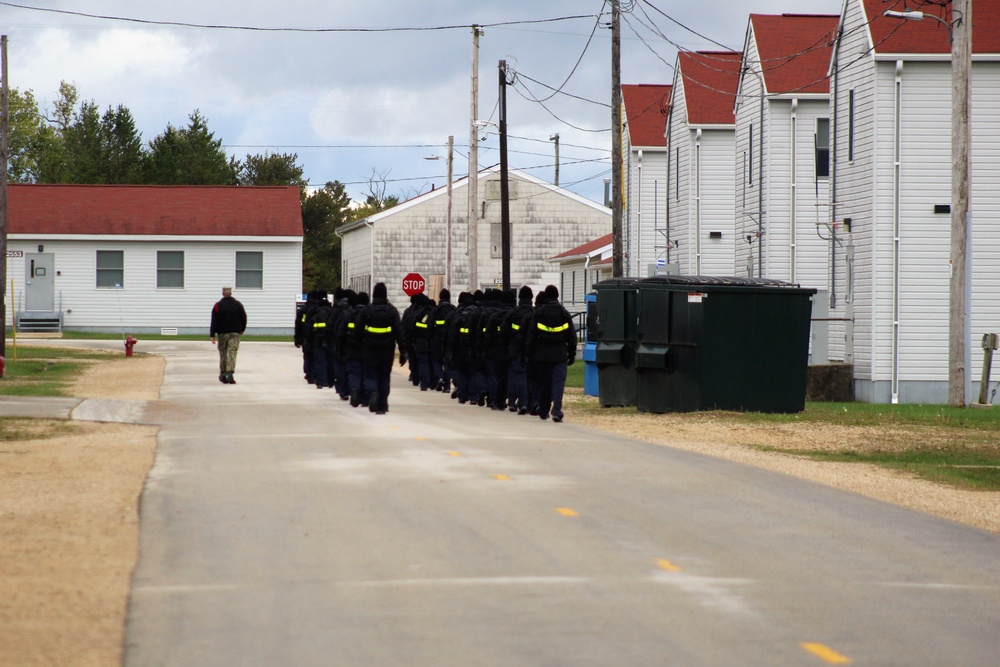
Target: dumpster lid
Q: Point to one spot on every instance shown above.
(729, 281)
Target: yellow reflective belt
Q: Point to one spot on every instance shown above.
(439, 323)
(561, 327)
(319, 325)
(303, 318)
(378, 330)
(350, 325)
(463, 330)
(515, 327)
(422, 325)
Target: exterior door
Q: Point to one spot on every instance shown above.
(40, 287)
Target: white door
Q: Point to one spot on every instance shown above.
(40, 288)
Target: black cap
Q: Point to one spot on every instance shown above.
(525, 293)
(379, 292)
(445, 295)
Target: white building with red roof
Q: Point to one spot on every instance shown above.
(700, 231)
(782, 149)
(141, 259)
(581, 268)
(891, 186)
(645, 152)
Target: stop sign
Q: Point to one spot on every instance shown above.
(413, 283)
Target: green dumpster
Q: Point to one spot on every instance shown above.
(707, 343)
(616, 340)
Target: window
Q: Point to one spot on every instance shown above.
(850, 126)
(169, 269)
(249, 270)
(111, 269)
(822, 148)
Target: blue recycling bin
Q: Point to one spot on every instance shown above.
(591, 385)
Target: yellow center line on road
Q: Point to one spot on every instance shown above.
(826, 654)
(565, 511)
(501, 478)
(667, 565)
(454, 453)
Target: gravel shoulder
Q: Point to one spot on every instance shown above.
(69, 528)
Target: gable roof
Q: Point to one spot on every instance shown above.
(794, 51)
(645, 112)
(710, 81)
(154, 210)
(900, 36)
(588, 249)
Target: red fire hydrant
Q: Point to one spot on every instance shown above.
(129, 344)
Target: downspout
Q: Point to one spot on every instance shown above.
(670, 162)
(760, 186)
(896, 184)
(371, 259)
(795, 193)
(697, 202)
(638, 222)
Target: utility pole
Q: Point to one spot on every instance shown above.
(959, 302)
(473, 184)
(447, 254)
(617, 268)
(4, 129)
(555, 138)
(504, 186)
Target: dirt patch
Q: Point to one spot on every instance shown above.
(69, 525)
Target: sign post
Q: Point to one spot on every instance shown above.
(413, 283)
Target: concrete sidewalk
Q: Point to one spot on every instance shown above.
(81, 409)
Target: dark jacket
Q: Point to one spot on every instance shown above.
(228, 316)
(551, 337)
(515, 328)
(380, 330)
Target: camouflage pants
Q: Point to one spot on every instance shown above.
(229, 345)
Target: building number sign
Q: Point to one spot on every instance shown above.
(15, 253)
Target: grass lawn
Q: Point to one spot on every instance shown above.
(45, 371)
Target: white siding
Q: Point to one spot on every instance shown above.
(679, 196)
(139, 306)
(717, 180)
(749, 175)
(645, 239)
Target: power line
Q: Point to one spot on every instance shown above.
(184, 24)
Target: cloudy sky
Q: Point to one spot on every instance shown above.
(363, 89)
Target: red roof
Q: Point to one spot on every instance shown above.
(160, 210)
(586, 248)
(795, 51)
(710, 82)
(646, 113)
(895, 35)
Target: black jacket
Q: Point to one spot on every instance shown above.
(380, 330)
(228, 316)
(551, 337)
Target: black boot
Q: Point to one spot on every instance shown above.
(229, 379)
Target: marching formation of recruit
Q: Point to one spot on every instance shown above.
(501, 349)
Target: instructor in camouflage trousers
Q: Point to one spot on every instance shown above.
(229, 321)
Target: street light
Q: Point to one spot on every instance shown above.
(447, 254)
(959, 288)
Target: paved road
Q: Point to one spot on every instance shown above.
(282, 527)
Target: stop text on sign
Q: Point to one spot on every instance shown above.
(413, 283)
